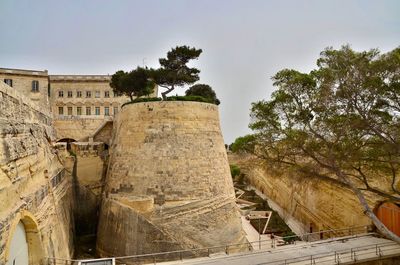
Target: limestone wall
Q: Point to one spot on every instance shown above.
(304, 203)
(78, 128)
(89, 169)
(34, 186)
(168, 181)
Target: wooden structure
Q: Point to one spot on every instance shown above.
(389, 214)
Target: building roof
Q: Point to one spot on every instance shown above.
(57, 78)
(43, 73)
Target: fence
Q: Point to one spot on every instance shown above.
(273, 243)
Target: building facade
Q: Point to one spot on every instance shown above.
(67, 96)
(83, 95)
(33, 84)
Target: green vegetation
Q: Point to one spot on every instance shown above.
(339, 123)
(136, 83)
(72, 153)
(174, 71)
(139, 100)
(204, 91)
(235, 170)
(189, 98)
(244, 144)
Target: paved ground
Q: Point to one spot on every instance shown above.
(323, 252)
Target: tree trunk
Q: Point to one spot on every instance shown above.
(368, 211)
(164, 94)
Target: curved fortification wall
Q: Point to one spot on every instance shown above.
(168, 185)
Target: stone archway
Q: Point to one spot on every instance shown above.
(68, 141)
(389, 214)
(24, 227)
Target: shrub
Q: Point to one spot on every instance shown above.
(235, 170)
(190, 98)
(139, 100)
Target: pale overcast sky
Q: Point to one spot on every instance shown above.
(244, 42)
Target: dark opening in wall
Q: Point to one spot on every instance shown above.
(68, 141)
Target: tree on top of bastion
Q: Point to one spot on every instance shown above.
(172, 73)
(339, 123)
(136, 83)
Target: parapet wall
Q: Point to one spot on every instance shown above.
(79, 128)
(169, 173)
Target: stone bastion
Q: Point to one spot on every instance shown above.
(168, 185)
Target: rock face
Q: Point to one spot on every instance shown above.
(305, 204)
(89, 174)
(168, 184)
(35, 188)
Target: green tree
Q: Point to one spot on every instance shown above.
(244, 144)
(204, 91)
(339, 123)
(136, 83)
(174, 71)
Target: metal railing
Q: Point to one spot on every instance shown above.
(244, 248)
(352, 255)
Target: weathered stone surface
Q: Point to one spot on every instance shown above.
(34, 186)
(76, 128)
(88, 183)
(305, 203)
(172, 152)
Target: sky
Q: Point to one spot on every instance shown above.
(244, 42)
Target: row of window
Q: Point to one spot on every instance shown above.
(88, 111)
(88, 94)
(35, 84)
(35, 88)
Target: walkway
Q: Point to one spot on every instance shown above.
(346, 249)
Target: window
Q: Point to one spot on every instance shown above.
(70, 94)
(69, 110)
(88, 94)
(35, 86)
(60, 110)
(97, 111)
(60, 94)
(78, 94)
(78, 110)
(88, 111)
(115, 110)
(97, 94)
(106, 94)
(116, 94)
(8, 82)
(106, 111)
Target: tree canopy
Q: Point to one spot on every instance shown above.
(339, 123)
(244, 144)
(136, 83)
(204, 91)
(174, 71)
